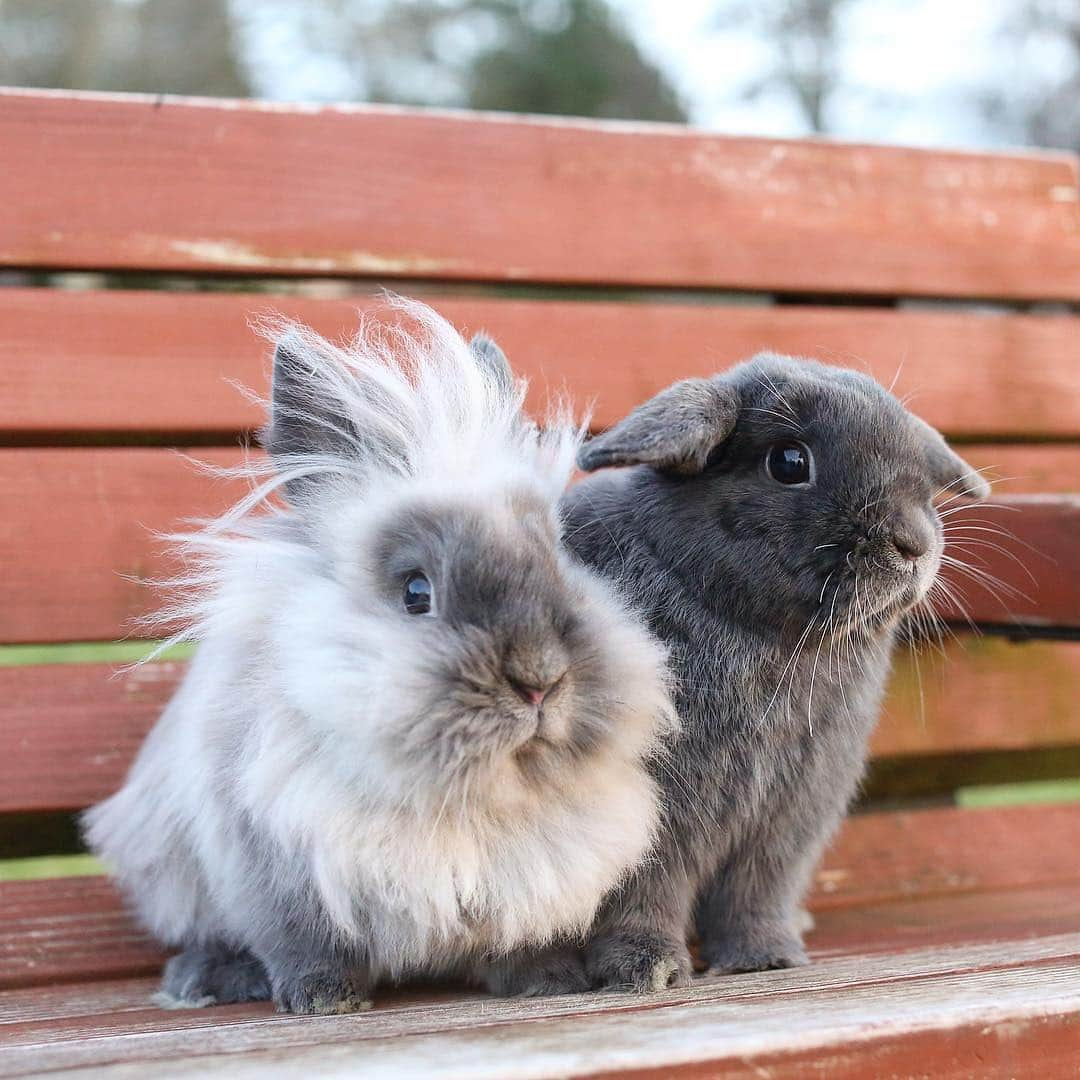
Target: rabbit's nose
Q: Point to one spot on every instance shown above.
(910, 542)
(531, 695)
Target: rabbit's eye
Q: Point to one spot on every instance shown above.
(418, 595)
(789, 463)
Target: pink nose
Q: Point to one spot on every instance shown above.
(531, 695)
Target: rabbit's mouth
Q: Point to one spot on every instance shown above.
(893, 595)
(873, 592)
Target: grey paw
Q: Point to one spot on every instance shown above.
(212, 975)
(753, 951)
(637, 961)
(323, 993)
(556, 972)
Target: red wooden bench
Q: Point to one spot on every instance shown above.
(612, 259)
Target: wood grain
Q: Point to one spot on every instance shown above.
(134, 362)
(980, 694)
(227, 187)
(833, 1006)
(1021, 560)
(75, 929)
(80, 538)
(881, 856)
(68, 732)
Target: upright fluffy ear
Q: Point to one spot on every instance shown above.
(948, 470)
(672, 432)
(492, 361)
(306, 422)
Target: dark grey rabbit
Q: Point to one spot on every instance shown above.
(775, 525)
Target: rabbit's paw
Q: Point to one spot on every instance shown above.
(323, 992)
(544, 975)
(212, 975)
(751, 949)
(639, 961)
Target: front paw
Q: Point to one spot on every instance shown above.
(640, 961)
(753, 949)
(322, 993)
(556, 972)
(212, 975)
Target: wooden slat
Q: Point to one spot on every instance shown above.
(84, 534)
(957, 928)
(83, 527)
(1048, 469)
(68, 732)
(136, 362)
(72, 1010)
(881, 856)
(69, 930)
(981, 694)
(233, 187)
(1031, 576)
(75, 929)
(842, 1004)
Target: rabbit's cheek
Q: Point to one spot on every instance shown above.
(926, 572)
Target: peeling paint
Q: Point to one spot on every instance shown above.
(242, 256)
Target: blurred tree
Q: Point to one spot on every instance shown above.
(1041, 105)
(573, 58)
(804, 39)
(156, 46)
(545, 56)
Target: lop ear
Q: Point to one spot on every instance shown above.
(672, 432)
(491, 360)
(948, 470)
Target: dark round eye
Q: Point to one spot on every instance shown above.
(418, 596)
(789, 462)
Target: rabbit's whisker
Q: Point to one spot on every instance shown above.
(792, 659)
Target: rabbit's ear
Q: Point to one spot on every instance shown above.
(950, 471)
(304, 423)
(672, 432)
(491, 360)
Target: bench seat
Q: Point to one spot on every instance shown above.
(981, 970)
(609, 260)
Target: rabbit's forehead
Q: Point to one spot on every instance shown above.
(482, 543)
(847, 413)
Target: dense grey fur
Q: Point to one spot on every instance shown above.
(779, 606)
(342, 792)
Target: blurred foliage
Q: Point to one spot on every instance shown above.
(566, 57)
(157, 46)
(581, 63)
(570, 57)
(545, 56)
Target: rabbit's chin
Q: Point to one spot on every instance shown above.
(874, 599)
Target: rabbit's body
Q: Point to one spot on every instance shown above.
(231, 780)
(345, 789)
(779, 601)
(762, 773)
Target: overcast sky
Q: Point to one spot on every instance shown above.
(916, 67)
(919, 64)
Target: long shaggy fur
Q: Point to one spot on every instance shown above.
(342, 792)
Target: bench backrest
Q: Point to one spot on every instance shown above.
(607, 258)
